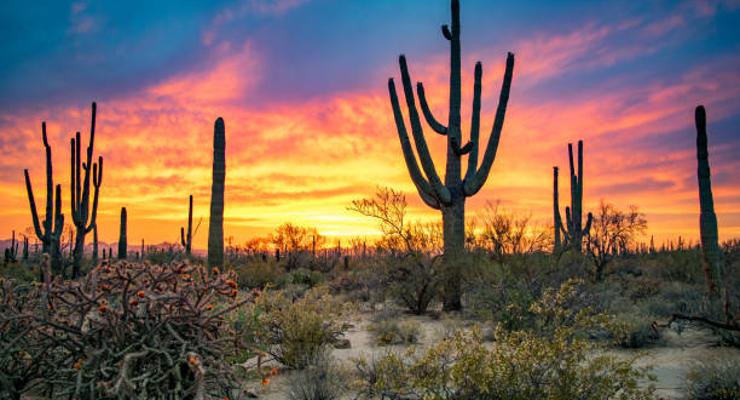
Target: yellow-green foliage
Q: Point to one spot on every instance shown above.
(391, 331)
(556, 362)
(294, 332)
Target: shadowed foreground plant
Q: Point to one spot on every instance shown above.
(127, 331)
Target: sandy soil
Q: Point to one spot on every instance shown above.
(671, 360)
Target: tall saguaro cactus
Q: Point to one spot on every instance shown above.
(449, 197)
(574, 231)
(707, 218)
(216, 220)
(50, 232)
(187, 241)
(122, 240)
(83, 215)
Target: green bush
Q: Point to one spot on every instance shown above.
(635, 330)
(394, 332)
(294, 332)
(524, 364)
(719, 380)
(256, 273)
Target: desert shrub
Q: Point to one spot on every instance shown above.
(303, 276)
(256, 273)
(393, 331)
(717, 380)
(322, 379)
(634, 330)
(295, 331)
(19, 271)
(524, 364)
(414, 281)
(130, 331)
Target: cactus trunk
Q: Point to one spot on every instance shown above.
(122, 243)
(216, 220)
(707, 218)
(449, 197)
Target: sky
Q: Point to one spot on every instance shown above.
(301, 85)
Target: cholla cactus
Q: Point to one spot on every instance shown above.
(124, 331)
(573, 232)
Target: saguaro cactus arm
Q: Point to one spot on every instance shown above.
(97, 181)
(433, 123)
(472, 186)
(427, 164)
(32, 203)
(422, 185)
(475, 123)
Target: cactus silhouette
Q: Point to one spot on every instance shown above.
(449, 197)
(573, 232)
(557, 221)
(95, 245)
(707, 218)
(216, 220)
(50, 232)
(83, 215)
(122, 242)
(187, 241)
(11, 253)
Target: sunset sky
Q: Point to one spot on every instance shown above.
(301, 85)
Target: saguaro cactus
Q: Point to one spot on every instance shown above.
(82, 215)
(216, 220)
(557, 222)
(187, 241)
(95, 245)
(122, 242)
(25, 247)
(574, 231)
(11, 254)
(449, 197)
(50, 233)
(707, 217)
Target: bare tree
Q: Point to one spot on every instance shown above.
(613, 232)
(510, 233)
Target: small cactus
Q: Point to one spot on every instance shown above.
(573, 232)
(187, 241)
